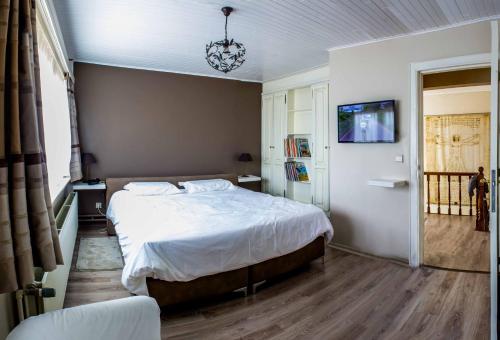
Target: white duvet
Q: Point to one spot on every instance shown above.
(186, 236)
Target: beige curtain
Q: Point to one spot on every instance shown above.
(75, 168)
(28, 233)
(455, 143)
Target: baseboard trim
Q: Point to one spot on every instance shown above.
(347, 249)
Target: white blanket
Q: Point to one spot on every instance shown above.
(186, 236)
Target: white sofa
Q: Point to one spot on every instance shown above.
(136, 317)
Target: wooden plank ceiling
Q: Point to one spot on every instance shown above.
(281, 36)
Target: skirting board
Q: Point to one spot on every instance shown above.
(347, 249)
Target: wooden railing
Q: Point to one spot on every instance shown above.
(448, 176)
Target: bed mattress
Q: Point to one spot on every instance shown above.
(186, 236)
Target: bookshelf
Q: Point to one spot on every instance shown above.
(299, 133)
(297, 113)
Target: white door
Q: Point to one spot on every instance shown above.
(494, 182)
(320, 146)
(279, 130)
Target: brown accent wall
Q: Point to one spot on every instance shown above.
(145, 123)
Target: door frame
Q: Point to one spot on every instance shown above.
(416, 162)
(417, 70)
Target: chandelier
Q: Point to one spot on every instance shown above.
(225, 55)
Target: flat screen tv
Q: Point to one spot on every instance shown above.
(367, 122)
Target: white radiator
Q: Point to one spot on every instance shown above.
(67, 224)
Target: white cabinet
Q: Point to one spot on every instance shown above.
(277, 180)
(267, 128)
(273, 129)
(320, 125)
(298, 115)
(320, 189)
(320, 146)
(266, 177)
(279, 126)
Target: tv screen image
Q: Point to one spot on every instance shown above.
(367, 122)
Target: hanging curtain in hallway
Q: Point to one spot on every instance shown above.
(455, 143)
(28, 233)
(75, 167)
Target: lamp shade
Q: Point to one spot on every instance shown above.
(245, 157)
(88, 158)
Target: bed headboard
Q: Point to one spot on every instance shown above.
(115, 184)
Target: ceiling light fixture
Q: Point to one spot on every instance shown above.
(225, 55)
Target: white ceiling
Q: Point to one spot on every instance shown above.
(281, 36)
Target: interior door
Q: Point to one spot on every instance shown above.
(494, 180)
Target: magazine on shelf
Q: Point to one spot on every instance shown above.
(301, 172)
(297, 147)
(296, 171)
(304, 150)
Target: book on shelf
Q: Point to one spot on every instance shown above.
(297, 147)
(296, 171)
(303, 146)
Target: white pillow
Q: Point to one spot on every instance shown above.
(152, 188)
(207, 185)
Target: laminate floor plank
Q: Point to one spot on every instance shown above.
(347, 297)
(452, 242)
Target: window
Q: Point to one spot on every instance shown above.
(56, 118)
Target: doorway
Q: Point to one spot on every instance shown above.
(456, 146)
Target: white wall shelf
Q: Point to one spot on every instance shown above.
(387, 183)
(77, 186)
(248, 178)
(300, 110)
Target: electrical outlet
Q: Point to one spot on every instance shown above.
(98, 205)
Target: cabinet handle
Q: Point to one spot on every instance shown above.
(493, 190)
(326, 147)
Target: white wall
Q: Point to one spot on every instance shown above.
(455, 101)
(371, 219)
(315, 75)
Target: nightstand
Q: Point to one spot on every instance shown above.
(91, 197)
(250, 182)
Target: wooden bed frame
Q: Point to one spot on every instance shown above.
(171, 293)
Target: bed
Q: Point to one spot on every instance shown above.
(185, 247)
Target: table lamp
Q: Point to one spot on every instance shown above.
(87, 160)
(245, 158)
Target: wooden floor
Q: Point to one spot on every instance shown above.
(452, 242)
(348, 297)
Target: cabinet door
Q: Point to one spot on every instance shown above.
(267, 128)
(278, 179)
(320, 125)
(279, 126)
(320, 180)
(320, 189)
(266, 178)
